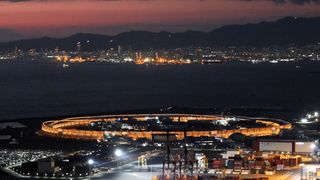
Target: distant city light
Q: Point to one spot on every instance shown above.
(304, 120)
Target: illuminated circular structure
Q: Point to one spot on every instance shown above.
(139, 126)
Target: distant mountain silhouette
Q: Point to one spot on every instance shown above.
(7, 35)
(286, 31)
(289, 30)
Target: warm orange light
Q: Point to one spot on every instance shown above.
(67, 128)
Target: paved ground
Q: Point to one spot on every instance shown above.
(131, 171)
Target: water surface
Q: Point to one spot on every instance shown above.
(42, 88)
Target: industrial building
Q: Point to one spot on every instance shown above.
(285, 146)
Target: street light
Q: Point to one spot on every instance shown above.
(118, 152)
(90, 162)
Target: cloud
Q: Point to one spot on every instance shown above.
(19, 1)
(14, 1)
(297, 2)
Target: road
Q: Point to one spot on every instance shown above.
(294, 174)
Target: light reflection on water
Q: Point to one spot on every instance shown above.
(42, 89)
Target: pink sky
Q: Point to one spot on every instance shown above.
(65, 17)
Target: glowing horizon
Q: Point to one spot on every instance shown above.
(59, 18)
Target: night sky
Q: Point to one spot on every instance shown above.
(58, 18)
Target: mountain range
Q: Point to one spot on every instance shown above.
(286, 31)
(9, 35)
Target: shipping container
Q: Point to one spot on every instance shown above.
(230, 163)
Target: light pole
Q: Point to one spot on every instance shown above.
(301, 171)
(90, 162)
(118, 153)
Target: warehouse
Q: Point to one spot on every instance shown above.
(286, 146)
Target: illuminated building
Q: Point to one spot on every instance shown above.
(79, 48)
(68, 128)
(119, 50)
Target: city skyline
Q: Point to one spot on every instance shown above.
(160, 89)
(56, 18)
